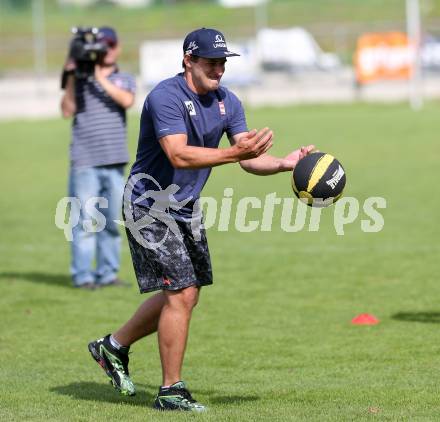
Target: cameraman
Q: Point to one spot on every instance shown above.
(98, 155)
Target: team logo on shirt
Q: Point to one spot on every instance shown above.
(118, 83)
(190, 107)
(221, 106)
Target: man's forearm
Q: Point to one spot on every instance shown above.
(68, 104)
(181, 155)
(190, 157)
(264, 165)
(124, 98)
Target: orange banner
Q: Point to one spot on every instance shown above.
(387, 55)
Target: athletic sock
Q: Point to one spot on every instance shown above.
(167, 387)
(118, 346)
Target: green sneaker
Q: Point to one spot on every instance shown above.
(177, 397)
(115, 364)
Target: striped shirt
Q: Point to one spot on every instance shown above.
(99, 132)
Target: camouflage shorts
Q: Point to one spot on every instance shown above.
(171, 261)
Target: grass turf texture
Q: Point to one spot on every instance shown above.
(271, 340)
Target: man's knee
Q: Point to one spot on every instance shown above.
(190, 296)
(186, 298)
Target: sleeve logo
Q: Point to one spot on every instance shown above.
(190, 107)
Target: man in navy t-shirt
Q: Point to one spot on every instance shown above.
(182, 122)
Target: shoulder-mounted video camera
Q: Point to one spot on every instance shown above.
(85, 51)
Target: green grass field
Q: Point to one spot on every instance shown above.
(272, 339)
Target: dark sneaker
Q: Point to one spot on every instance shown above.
(115, 364)
(177, 397)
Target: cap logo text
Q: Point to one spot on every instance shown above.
(219, 42)
(191, 47)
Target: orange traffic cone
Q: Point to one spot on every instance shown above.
(365, 319)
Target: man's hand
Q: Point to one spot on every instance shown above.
(253, 144)
(69, 65)
(100, 73)
(289, 162)
(68, 101)
(124, 98)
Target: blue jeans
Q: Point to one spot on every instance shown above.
(103, 246)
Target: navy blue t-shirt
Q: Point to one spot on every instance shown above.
(172, 108)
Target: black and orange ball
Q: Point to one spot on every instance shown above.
(318, 179)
